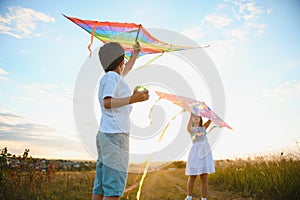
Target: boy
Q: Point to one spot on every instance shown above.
(113, 136)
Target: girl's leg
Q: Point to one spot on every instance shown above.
(190, 185)
(204, 185)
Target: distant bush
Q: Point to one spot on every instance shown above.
(176, 165)
(24, 177)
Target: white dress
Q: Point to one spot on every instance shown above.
(200, 160)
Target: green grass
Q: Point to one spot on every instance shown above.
(63, 185)
(263, 178)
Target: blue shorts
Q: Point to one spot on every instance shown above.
(112, 163)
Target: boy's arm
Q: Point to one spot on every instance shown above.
(137, 96)
(132, 60)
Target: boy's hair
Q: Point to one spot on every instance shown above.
(111, 55)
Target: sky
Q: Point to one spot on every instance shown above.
(254, 46)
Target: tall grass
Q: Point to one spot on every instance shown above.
(273, 177)
(262, 178)
(64, 185)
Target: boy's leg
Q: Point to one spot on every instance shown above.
(97, 189)
(111, 198)
(204, 185)
(115, 155)
(97, 197)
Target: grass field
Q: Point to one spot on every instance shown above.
(262, 178)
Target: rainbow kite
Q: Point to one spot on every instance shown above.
(127, 34)
(197, 107)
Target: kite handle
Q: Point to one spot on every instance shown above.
(204, 133)
(137, 35)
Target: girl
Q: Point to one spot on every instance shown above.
(200, 160)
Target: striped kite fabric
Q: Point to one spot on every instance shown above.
(127, 34)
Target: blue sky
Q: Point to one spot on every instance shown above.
(254, 45)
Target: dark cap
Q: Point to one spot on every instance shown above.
(111, 55)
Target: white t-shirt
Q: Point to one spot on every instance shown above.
(114, 120)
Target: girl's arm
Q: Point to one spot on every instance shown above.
(132, 60)
(206, 125)
(189, 125)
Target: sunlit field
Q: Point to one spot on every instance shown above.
(268, 177)
(273, 177)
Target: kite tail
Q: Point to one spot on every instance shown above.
(142, 180)
(135, 180)
(92, 38)
(133, 185)
(150, 61)
(164, 130)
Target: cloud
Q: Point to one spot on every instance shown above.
(17, 128)
(51, 90)
(251, 13)
(237, 33)
(259, 28)
(56, 98)
(22, 22)
(250, 10)
(195, 32)
(19, 132)
(293, 64)
(231, 20)
(218, 21)
(41, 88)
(286, 90)
(14, 127)
(3, 74)
(232, 25)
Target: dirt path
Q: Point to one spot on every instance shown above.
(171, 185)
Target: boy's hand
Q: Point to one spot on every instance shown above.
(136, 47)
(139, 96)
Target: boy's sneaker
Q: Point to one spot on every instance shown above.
(188, 198)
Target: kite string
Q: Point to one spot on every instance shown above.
(142, 180)
(146, 167)
(148, 161)
(164, 130)
(155, 58)
(150, 61)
